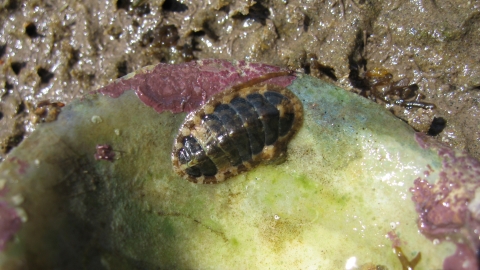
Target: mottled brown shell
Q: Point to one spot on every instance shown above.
(234, 131)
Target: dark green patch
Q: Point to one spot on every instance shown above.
(304, 182)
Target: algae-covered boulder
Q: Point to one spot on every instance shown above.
(95, 189)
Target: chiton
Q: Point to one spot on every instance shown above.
(236, 130)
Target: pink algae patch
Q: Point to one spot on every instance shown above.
(393, 236)
(464, 258)
(450, 208)
(22, 164)
(10, 223)
(184, 87)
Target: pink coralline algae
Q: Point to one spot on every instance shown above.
(22, 165)
(464, 258)
(104, 152)
(10, 223)
(450, 208)
(184, 87)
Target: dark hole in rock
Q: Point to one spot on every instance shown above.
(357, 68)
(17, 67)
(123, 4)
(174, 6)
(306, 23)
(306, 69)
(437, 126)
(11, 142)
(198, 33)
(8, 86)
(3, 50)
(122, 69)
(187, 52)
(312, 64)
(31, 30)
(166, 35)
(328, 71)
(357, 64)
(146, 38)
(1, 115)
(257, 12)
(142, 10)
(45, 75)
(209, 32)
(73, 57)
(20, 108)
(225, 9)
(11, 4)
(195, 42)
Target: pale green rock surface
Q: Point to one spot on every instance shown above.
(343, 188)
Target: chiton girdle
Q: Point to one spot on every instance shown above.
(236, 130)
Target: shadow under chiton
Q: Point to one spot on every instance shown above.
(236, 130)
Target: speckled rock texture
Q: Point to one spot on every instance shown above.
(59, 50)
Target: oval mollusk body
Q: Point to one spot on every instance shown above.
(234, 131)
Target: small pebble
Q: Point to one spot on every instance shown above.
(96, 119)
(17, 199)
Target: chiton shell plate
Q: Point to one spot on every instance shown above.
(235, 131)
